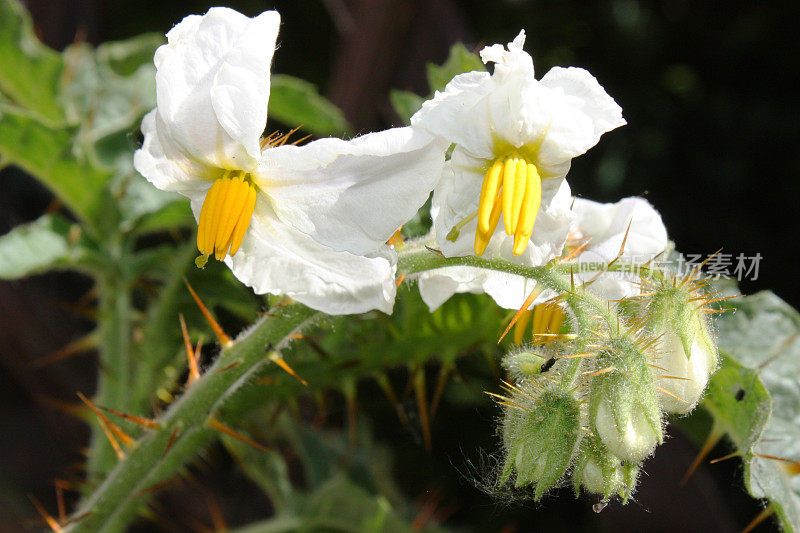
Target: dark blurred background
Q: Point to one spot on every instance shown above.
(710, 95)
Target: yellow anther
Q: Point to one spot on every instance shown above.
(489, 190)
(529, 208)
(509, 185)
(482, 238)
(521, 175)
(225, 216)
(521, 325)
(547, 320)
(512, 186)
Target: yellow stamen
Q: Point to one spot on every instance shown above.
(529, 208)
(539, 319)
(521, 325)
(547, 320)
(521, 178)
(482, 237)
(225, 216)
(489, 190)
(509, 184)
(515, 184)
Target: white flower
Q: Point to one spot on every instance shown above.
(307, 221)
(514, 137)
(600, 230)
(683, 378)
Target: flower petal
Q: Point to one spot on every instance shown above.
(580, 112)
(165, 165)
(606, 225)
(353, 195)
(508, 290)
(213, 85)
(460, 114)
(276, 258)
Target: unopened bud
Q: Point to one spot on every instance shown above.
(624, 408)
(601, 472)
(687, 356)
(540, 434)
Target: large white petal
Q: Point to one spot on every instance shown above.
(213, 84)
(580, 111)
(605, 225)
(460, 114)
(508, 290)
(352, 195)
(276, 258)
(166, 166)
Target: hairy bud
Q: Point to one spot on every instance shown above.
(624, 408)
(687, 356)
(599, 471)
(540, 435)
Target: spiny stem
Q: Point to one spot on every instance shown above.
(184, 425)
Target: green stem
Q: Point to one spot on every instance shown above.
(183, 429)
(114, 319)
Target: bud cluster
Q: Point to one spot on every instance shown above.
(590, 407)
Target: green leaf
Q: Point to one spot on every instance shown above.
(459, 61)
(171, 216)
(763, 335)
(296, 102)
(48, 243)
(30, 72)
(47, 155)
(405, 104)
(106, 93)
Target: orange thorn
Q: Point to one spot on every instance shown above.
(713, 438)
(422, 406)
(216, 514)
(763, 515)
(227, 367)
(51, 522)
(138, 420)
(599, 372)
(194, 372)
(576, 251)
(527, 303)
(400, 279)
(216, 425)
(84, 344)
(276, 358)
(104, 420)
(396, 240)
(171, 441)
(62, 508)
(665, 391)
(724, 458)
(792, 462)
(224, 340)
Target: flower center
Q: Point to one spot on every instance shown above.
(225, 216)
(511, 187)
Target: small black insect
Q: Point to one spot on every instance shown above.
(739, 395)
(548, 365)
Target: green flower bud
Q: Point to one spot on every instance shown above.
(624, 409)
(601, 472)
(540, 436)
(687, 355)
(523, 365)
